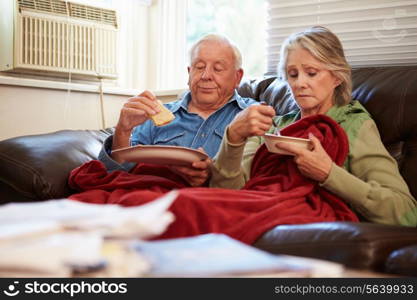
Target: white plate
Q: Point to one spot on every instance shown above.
(272, 139)
(163, 155)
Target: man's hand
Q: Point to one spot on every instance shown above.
(197, 174)
(137, 110)
(315, 164)
(133, 113)
(254, 120)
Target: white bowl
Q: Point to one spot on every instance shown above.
(272, 139)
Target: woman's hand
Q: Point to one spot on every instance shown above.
(315, 164)
(254, 120)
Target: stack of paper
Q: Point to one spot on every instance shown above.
(60, 237)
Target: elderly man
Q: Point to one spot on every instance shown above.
(201, 115)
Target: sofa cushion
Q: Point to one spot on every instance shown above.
(37, 166)
(356, 245)
(271, 90)
(403, 261)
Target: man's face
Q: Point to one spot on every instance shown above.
(212, 74)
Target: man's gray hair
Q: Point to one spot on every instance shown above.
(220, 39)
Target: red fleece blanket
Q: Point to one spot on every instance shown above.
(276, 194)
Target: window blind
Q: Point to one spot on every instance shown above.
(373, 32)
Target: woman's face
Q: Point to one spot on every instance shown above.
(311, 83)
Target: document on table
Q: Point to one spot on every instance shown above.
(211, 255)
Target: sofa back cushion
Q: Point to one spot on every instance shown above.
(390, 95)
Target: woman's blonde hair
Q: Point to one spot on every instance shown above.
(326, 47)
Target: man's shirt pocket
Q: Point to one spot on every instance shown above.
(175, 139)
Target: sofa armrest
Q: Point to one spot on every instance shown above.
(356, 245)
(403, 261)
(37, 166)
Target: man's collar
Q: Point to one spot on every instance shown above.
(236, 97)
(182, 103)
(186, 98)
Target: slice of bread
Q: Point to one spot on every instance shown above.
(163, 117)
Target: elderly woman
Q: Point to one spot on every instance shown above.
(314, 65)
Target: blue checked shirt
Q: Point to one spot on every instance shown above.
(186, 130)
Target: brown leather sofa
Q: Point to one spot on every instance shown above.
(36, 167)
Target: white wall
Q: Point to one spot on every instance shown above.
(31, 110)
